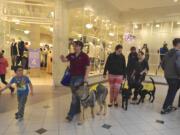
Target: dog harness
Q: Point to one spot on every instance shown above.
(148, 86)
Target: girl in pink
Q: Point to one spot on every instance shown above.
(3, 66)
(116, 67)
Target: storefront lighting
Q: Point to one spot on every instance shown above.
(111, 34)
(89, 26)
(98, 39)
(52, 14)
(79, 35)
(16, 21)
(157, 25)
(26, 32)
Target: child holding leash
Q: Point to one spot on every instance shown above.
(24, 85)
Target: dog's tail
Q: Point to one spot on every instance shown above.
(153, 82)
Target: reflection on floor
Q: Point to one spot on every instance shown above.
(47, 109)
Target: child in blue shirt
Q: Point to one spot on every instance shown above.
(23, 85)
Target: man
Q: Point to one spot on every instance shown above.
(171, 66)
(162, 51)
(79, 69)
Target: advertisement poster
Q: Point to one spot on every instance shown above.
(34, 58)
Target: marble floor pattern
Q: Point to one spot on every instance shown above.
(48, 107)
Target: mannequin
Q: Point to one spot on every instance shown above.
(14, 52)
(49, 62)
(21, 48)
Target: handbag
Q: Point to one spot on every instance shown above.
(65, 81)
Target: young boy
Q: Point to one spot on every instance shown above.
(23, 84)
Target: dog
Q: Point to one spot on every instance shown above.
(147, 89)
(88, 97)
(125, 95)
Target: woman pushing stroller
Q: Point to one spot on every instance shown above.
(138, 75)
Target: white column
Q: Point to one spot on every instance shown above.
(60, 44)
(35, 36)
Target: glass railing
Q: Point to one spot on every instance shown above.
(97, 65)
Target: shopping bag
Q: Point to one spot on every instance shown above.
(66, 78)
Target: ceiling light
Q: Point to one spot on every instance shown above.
(26, 32)
(136, 26)
(79, 35)
(157, 25)
(52, 14)
(175, 0)
(51, 29)
(178, 23)
(111, 34)
(89, 26)
(98, 39)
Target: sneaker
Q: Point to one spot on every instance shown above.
(18, 116)
(68, 118)
(168, 110)
(109, 105)
(116, 104)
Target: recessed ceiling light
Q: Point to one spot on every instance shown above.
(178, 23)
(111, 34)
(26, 32)
(89, 26)
(51, 29)
(157, 25)
(175, 0)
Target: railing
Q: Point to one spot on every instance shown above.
(97, 66)
(28, 12)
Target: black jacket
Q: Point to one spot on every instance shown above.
(14, 50)
(132, 60)
(115, 64)
(171, 64)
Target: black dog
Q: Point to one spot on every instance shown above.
(125, 95)
(147, 89)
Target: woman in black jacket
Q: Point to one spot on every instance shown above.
(116, 67)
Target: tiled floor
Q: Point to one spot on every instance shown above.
(48, 107)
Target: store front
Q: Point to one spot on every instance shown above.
(51, 26)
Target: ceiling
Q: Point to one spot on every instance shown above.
(125, 5)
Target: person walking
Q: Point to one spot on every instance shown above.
(79, 70)
(171, 67)
(3, 66)
(116, 67)
(132, 60)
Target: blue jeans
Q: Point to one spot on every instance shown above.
(21, 104)
(75, 107)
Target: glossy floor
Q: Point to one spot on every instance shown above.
(48, 107)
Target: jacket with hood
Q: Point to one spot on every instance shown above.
(171, 64)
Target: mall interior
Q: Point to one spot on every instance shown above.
(51, 27)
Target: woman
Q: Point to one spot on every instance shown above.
(139, 73)
(3, 66)
(145, 50)
(79, 69)
(116, 67)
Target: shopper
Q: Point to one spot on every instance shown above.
(79, 69)
(3, 66)
(116, 67)
(139, 74)
(171, 66)
(23, 84)
(145, 50)
(132, 60)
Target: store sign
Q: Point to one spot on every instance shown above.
(34, 58)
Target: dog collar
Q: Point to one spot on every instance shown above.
(85, 98)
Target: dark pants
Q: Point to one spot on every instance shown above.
(21, 104)
(174, 85)
(75, 103)
(136, 83)
(3, 80)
